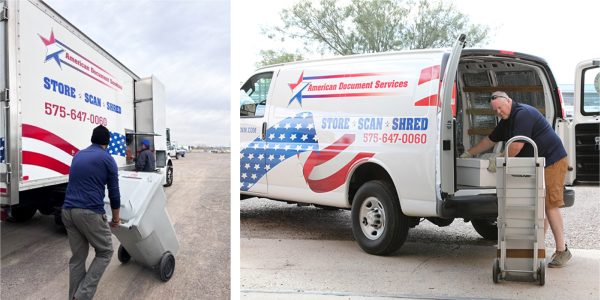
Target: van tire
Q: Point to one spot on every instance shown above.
(487, 228)
(375, 202)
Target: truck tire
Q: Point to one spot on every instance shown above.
(169, 176)
(378, 224)
(486, 228)
(22, 213)
(58, 218)
(176, 155)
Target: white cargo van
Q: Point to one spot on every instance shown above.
(380, 134)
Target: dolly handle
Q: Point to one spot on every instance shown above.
(520, 138)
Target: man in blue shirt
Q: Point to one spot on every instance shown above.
(83, 213)
(145, 162)
(522, 119)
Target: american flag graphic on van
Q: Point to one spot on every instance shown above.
(289, 137)
(47, 150)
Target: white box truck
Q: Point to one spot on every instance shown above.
(380, 134)
(56, 85)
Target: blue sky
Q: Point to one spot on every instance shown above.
(185, 43)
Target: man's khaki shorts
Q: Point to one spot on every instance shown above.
(555, 182)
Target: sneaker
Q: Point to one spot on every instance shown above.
(560, 258)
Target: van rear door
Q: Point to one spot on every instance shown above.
(586, 121)
(445, 168)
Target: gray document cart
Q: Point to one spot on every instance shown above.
(146, 232)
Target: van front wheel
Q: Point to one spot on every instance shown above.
(378, 224)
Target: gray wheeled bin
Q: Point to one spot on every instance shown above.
(146, 232)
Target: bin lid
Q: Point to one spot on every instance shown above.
(136, 189)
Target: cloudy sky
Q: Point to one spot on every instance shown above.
(563, 33)
(184, 43)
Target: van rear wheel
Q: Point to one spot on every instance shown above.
(487, 228)
(378, 224)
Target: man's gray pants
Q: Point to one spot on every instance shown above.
(85, 228)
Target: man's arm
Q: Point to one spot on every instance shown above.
(482, 146)
(113, 191)
(515, 148)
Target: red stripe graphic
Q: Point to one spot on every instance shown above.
(44, 135)
(2, 191)
(429, 74)
(338, 178)
(37, 159)
(428, 101)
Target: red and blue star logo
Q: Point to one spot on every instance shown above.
(53, 48)
(298, 95)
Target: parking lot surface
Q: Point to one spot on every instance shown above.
(295, 252)
(35, 254)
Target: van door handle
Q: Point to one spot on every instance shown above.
(264, 131)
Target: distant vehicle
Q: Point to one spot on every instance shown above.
(181, 151)
(173, 152)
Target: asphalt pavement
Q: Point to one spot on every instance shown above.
(290, 252)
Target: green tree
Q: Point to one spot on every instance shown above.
(271, 57)
(364, 26)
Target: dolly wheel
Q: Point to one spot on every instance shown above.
(167, 266)
(496, 271)
(542, 273)
(123, 255)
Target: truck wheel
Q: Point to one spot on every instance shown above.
(177, 156)
(22, 213)
(169, 176)
(123, 255)
(487, 228)
(166, 267)
(378, 224)
(46, 210)
(58, 218)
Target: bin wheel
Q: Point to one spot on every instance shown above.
(496, 271)
(123, 255)
(167, 266)
(542, 273)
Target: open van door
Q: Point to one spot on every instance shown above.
(586, 121)
(445, 173)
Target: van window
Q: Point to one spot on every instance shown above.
(253, 95)
(591, 91)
